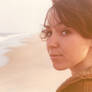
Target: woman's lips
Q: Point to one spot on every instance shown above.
(55, 56)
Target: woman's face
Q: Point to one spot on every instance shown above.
(66, 47)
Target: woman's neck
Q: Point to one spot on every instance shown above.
(83, 66)
(78, 69)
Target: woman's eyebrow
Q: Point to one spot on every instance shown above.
(61, 27)
(56, 27)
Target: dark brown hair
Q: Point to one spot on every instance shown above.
(72, 13)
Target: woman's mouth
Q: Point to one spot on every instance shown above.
(55, 56)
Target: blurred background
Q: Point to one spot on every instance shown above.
(19, 16)
(20, 19)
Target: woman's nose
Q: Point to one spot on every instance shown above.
(53, 41)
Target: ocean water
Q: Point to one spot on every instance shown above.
(10, 40)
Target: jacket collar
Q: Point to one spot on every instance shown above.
(87, 74)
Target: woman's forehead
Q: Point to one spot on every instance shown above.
(52, 18)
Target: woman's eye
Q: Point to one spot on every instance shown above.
(49, 33)
(65, 32)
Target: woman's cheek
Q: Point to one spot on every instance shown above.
(76, 55)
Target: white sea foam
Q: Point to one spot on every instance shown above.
(11, 41)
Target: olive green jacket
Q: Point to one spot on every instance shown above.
(80, 83)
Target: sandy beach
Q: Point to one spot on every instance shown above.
(30, 70)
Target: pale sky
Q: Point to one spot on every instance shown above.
(22, 15)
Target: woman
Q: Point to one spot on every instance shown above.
(68, 34)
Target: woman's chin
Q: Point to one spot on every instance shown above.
(59, 68)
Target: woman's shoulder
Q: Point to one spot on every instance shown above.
(77, 84)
